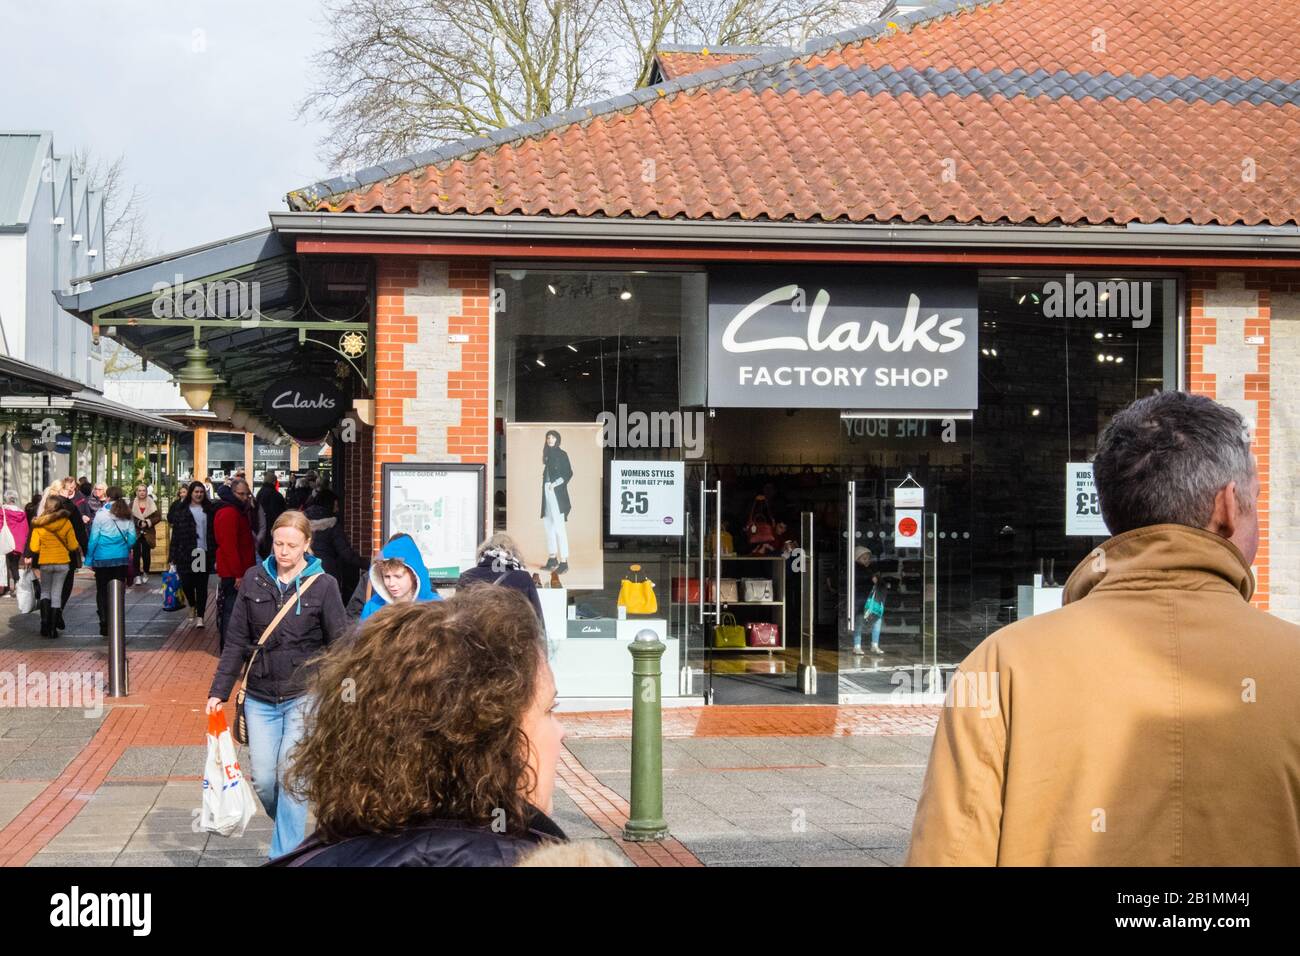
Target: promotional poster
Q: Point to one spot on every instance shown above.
(554, 489)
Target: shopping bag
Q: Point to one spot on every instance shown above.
(173, 596)
(228, 801)
(686, 590)
(763, 634)
(26, 591)
(638, 596)
(728, 633)
(729, 588)
(7, 542)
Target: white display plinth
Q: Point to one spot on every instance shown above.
(601, 666)
(1032, 600)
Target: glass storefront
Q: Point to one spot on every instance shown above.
(804, 496)
(225, 454)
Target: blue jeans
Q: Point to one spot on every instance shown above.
(273, 731)
(875, 630)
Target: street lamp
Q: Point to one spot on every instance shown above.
(222, 402)
(196, 379)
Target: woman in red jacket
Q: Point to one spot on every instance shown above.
(236, 550)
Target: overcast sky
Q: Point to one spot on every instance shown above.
(199, 95)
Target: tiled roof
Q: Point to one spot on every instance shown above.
(1019, 111)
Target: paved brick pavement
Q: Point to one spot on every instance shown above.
(119, 786)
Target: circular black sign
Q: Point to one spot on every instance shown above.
(305, 406)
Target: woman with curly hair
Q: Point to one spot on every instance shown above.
(434, 740)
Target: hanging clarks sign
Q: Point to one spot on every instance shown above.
(305, 406)
(843, 337)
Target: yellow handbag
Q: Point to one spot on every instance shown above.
(638, 596)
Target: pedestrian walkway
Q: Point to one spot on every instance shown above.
(119, 784)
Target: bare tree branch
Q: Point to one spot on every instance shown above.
(398, 76)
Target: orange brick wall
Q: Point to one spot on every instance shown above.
(1207, 323)
(422, 306)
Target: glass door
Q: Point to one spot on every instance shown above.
(889, 600)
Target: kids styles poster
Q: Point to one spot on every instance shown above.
(554, 490)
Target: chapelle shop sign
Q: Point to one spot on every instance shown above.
(848, 338)
(304, 406)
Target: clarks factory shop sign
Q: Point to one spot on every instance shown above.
(305, 406)
(843, 337)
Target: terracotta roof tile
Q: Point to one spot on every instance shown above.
(1012, 111)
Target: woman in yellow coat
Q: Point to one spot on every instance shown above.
(53, 542)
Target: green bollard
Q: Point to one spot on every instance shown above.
(646, 823)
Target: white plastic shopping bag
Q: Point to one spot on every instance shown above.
(26, 591)
(228, 801)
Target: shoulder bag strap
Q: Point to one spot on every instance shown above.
(275, 622)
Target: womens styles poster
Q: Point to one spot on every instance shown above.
(554, 490)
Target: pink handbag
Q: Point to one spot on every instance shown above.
(763, 635)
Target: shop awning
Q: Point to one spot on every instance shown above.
(91, 403)
(295, 315)
(19, 378)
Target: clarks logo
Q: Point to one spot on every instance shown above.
(292, 399)
(847, 335)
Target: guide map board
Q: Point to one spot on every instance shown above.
(441, 507)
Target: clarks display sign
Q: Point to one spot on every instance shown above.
(843, 337)
(305, 406)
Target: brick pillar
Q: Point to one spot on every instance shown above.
(1229, 359)
(360, 500)
(432, 335)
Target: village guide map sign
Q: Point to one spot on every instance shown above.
(441, 507)
(647, 497)
(845, 337)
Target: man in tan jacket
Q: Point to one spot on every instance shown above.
(1155, 719)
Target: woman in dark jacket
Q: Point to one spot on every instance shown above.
(330, 544)
(499, 563)
(556, 475)
(440, 770)
(270, 505)
(276, 700)
(192, 538)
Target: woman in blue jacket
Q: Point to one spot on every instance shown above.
(112, 536)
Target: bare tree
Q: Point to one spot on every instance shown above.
(398, 76)
(125, 236)
(774, 23)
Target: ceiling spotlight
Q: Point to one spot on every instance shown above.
(572, 348)
(993, 352)
(551, 289)
(1035, 412)
(1096, 335)
(1021, 300)
(541, 362)
(1119, 360)
(625, 294)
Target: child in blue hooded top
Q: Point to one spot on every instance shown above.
(399, 575)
